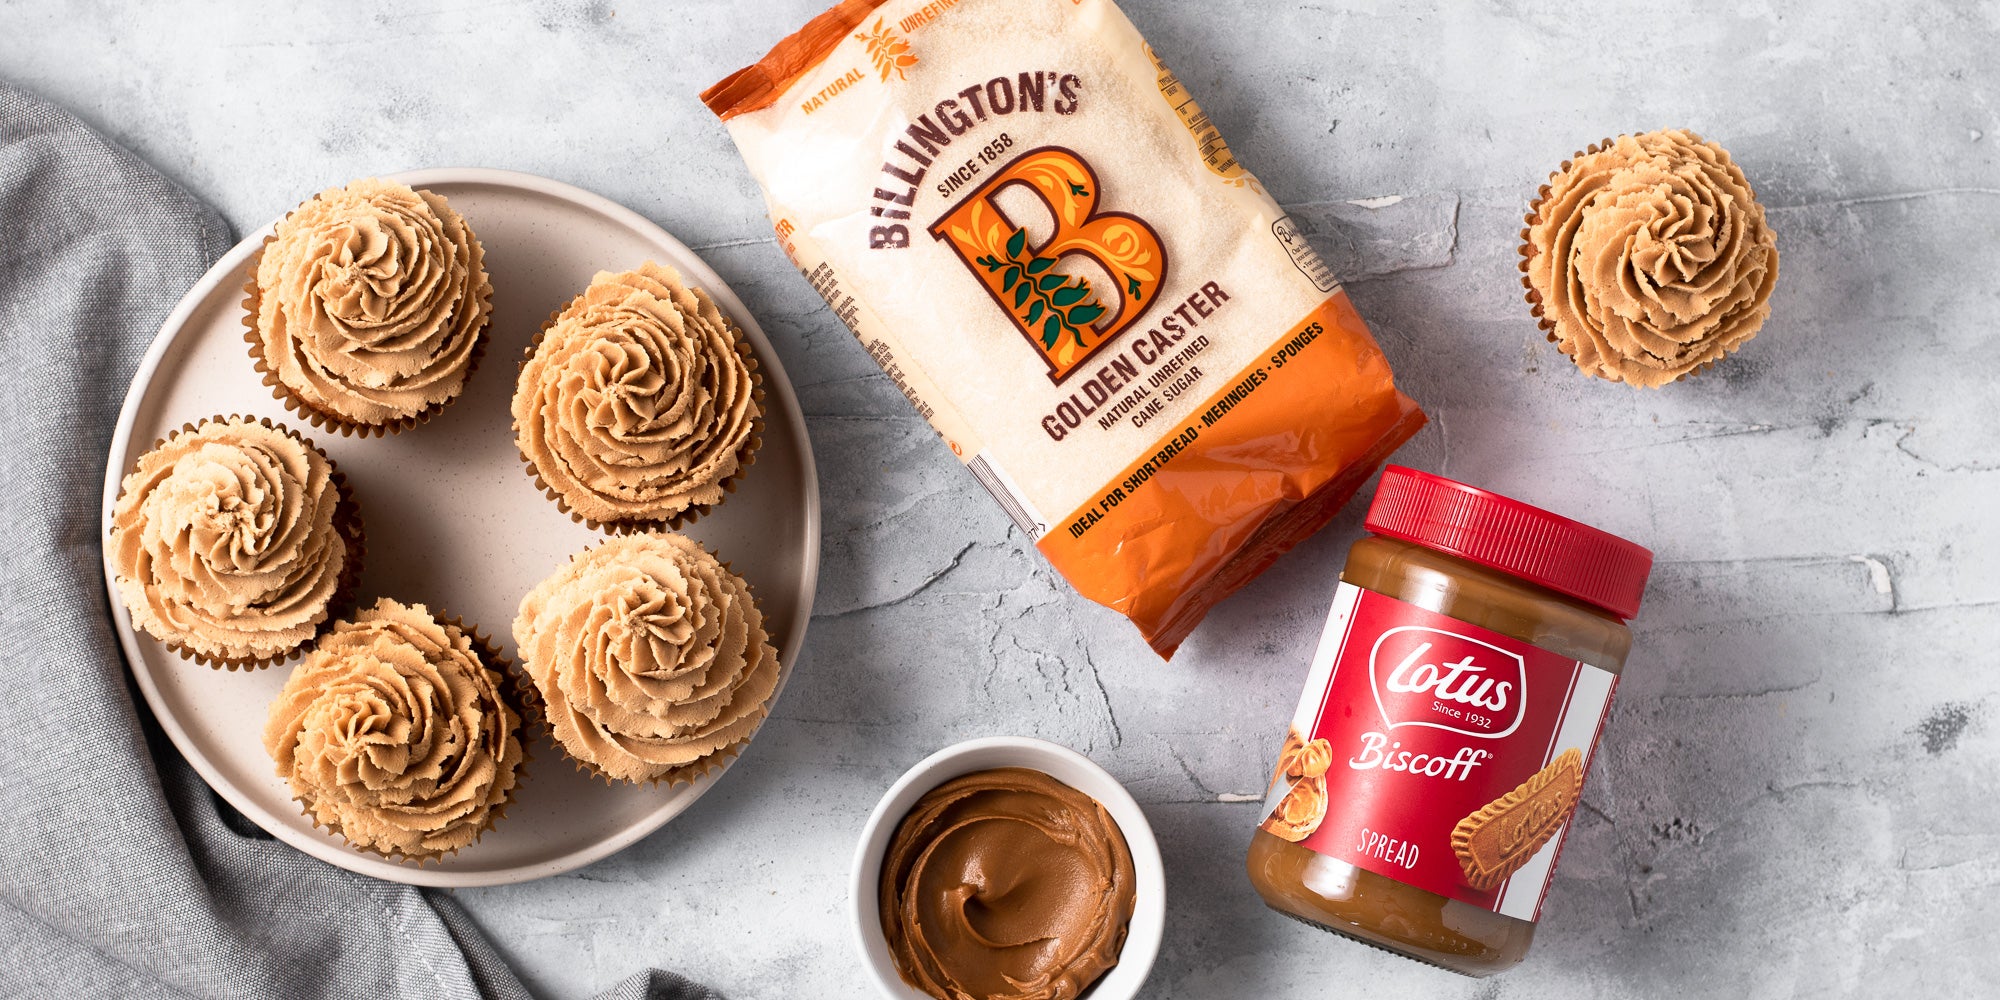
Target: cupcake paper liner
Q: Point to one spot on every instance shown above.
(346, 520)
(520, 694)
(327, 421)
(746, 455)
(517, 687)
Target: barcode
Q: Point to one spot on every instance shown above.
(995, 481)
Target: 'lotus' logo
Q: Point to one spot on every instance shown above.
(1443, 680)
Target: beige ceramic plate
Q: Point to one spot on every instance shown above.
(453, 521)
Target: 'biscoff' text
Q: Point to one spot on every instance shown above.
(1378, 753)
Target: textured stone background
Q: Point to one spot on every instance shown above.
(1796, 794)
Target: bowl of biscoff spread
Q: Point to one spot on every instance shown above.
(1008, 868)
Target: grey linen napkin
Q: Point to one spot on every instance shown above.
(124, 874)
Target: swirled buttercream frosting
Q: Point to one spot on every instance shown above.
(369, 304)
(639, 403)
(230, 541)
(394, 732)
(651, 657)
(1649, 258)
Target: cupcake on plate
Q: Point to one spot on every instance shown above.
(639, 404)
(1648, 258)
(368, 307)
(651, 657)
(233, 541)
(400, 733)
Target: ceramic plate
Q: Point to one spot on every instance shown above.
(453, 520)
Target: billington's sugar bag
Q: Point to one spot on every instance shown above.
(1038, 235)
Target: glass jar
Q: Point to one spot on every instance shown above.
(1451, 713)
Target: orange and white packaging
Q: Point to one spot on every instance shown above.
(1039, 236)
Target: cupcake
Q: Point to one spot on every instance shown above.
(639, 405)
(397, 733)
(651, 657)
(233, 541)
(368, 308)
(1648, 258)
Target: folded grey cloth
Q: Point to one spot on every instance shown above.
(124, 875)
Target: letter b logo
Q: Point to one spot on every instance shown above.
(1063, 316)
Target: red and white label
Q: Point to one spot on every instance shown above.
(1414, 731)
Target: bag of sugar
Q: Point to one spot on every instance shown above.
(1035, 231)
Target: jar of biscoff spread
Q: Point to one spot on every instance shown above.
(1452, 711)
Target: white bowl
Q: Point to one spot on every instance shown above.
(1149, 914)
(454, 521)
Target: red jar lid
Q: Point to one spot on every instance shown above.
(1565, 556)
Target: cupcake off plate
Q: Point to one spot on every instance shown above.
(454, 521)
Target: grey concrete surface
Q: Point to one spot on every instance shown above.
(1796, 794)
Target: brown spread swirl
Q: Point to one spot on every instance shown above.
(227, 541)
(370, 302)
(1006, 885)
(651, 656)
(394, 733)
(639, 401)
(1649, 258)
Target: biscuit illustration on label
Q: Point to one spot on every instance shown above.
(1287, 756)
(1302, 764)
(1496, 841)
(1302, 758)
(1300, 812)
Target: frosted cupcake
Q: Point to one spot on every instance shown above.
(369, 306)
(398, 734)
(233, 540)
(651, 657)
(1648, 258)
(640, 404)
